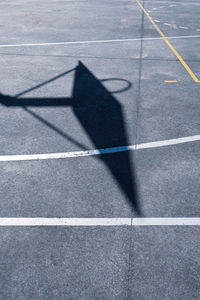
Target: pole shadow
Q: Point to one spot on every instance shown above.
(101, 117)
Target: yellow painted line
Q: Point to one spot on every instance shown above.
(169, 44)
(170, 81)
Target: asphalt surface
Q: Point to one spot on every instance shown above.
(93, 96)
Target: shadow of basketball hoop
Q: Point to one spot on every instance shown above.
(101, 117)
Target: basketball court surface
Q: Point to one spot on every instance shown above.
(100, 149)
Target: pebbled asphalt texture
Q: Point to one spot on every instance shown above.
(92, 96)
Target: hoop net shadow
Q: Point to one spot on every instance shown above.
(100, 115)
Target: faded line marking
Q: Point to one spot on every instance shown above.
(169, 81)
(167, 24)
(183, 37)
(69, 43)
(97, 41)
(170, 45)
(45, 156)
(182, 27)
(99, 222)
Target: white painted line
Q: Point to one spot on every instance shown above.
(182, 27)
(165, 221)
(149, 11)
(171, 142)
(157, 21)
(167, 24)
(45, 156)
(172, 5)
(68, 43)
(197, 29)
(99, 222)
(94, 42)
(183, 37)
(65, 221)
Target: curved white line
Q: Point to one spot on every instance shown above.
(45, 156)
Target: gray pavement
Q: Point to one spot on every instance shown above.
(93, 96)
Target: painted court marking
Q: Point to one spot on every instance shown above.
(171, 25)
(107, 222)
(45, 156)
(99, 222)
(169, 44)
(168, 24)
(183, 27)
(96, 41)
